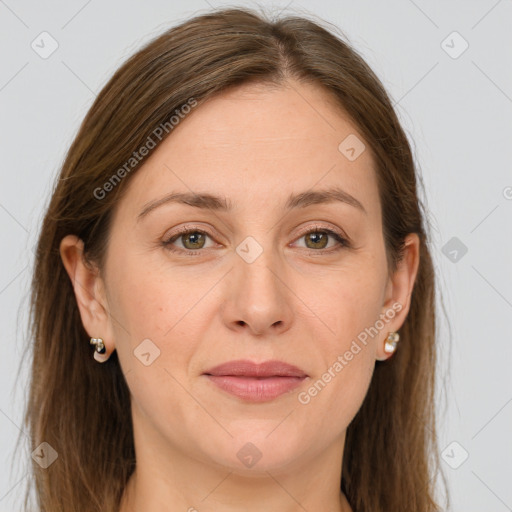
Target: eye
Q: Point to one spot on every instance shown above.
(318, 239)
(192, 240)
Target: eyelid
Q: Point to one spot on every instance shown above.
(183, 230)
(319, 227)
(343, 239)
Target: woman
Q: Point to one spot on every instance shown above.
(236, 231)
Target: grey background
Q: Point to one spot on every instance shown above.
(457, 112)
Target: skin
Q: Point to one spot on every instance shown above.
(297, 302)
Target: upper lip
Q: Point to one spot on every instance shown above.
(246, 368)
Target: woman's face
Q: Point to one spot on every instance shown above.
(249, 283)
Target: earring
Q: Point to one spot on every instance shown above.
(100, 346)
(391, 341)
(99, 352)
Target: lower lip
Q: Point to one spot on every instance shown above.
(256, 389)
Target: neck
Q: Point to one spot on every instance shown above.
(133, 501)
(198, 487)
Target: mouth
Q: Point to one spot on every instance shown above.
(256, 382)
(246, 368)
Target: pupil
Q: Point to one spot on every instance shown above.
(317, 237)
(191, 237)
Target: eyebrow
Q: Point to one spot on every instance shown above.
(219, 203)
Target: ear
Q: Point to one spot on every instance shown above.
(89, 292)
(399, 289)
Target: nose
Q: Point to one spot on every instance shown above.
(258, 298)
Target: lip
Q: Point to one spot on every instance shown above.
(256, 382)
(247, 368)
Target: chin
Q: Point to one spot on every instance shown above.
(252, 454)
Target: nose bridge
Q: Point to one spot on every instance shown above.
(258, 296)
(257, 264)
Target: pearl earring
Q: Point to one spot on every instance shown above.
(100, 346)
(99, 353)
(391, 341)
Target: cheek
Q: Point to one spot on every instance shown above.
(336, 392)
(146, 306)
(346, 303)
(156, 338)
(333, 398)
(145, 296)
(348, 308)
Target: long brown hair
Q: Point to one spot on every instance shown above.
(82, 409)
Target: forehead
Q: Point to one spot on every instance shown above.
(257, 144)
(271, 116)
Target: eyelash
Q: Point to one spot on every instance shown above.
(343, 242)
